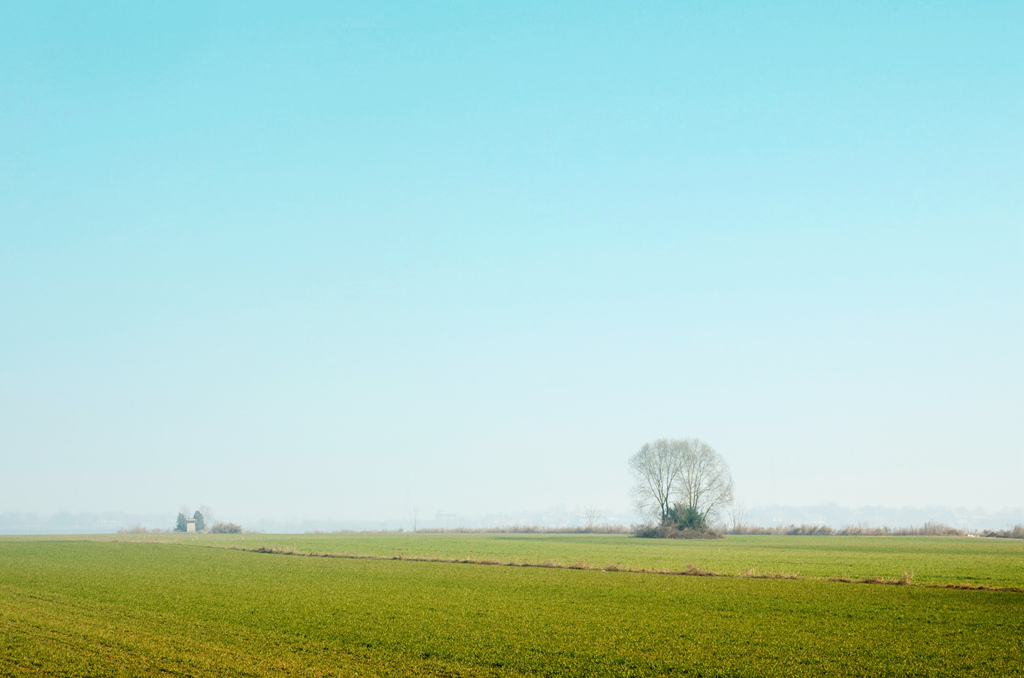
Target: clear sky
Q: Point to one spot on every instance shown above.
(336, 260)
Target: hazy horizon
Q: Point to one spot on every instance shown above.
(343, 262)
(552, 517)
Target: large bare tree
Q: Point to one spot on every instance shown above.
(705, 484)
(687, 473)
(657, 468)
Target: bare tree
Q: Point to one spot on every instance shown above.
(208, 516)
(738, 514)
(705, 484)
(657, 468)
(683, 474)
(592, 514)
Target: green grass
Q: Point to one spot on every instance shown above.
(930, 560)
(91, 607)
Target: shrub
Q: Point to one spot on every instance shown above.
(682, 522)
(929, 529)
(672, 531)
(226, 528)
(686, 518)
(1016, 533)
(810, 530)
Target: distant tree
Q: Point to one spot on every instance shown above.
(705, 485)
(656, 469)
(181, 525)
(592, 514)
(208, 515)
(200, 521)
(680, 478)
(738, 515)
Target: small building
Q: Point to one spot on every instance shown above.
(190, 524)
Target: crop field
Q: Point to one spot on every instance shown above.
(940, 561)
(170, 605)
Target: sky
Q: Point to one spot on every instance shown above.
(341, 261)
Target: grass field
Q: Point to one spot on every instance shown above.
(101, 606)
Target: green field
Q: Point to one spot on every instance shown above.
(929, 560)
(162, 605)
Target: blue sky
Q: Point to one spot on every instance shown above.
(338, 261)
